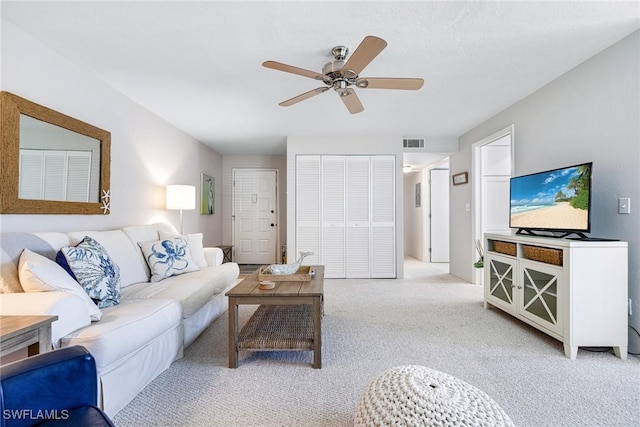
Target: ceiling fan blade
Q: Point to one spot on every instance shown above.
(389, 83)
(370, 47)
(304, 96)
(291, 69)
(351, 101)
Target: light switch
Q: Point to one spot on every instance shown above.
(467, 207)
(624, 205)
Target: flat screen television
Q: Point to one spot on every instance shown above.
(556, 201)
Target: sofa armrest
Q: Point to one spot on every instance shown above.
(71, 310)
(48, 386)
(214, 256)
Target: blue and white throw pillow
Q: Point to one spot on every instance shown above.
(168, 257)
(91, 266)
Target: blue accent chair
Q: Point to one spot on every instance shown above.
(58, 388)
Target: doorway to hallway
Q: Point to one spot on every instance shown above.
(492, 167)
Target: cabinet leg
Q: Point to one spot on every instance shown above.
(570, 352)
(486, 305)
(620, 352)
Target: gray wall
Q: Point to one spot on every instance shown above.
(591, 113)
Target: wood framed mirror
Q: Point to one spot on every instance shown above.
(51, 163)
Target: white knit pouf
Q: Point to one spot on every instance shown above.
(419, 396)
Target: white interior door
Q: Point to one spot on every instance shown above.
(308, 226)
(383, 217)
(439, 201)
(255, 216)
(358, 217)
(333, 216)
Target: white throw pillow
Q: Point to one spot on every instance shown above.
(195, 245)
(168, 257)
(40, 274)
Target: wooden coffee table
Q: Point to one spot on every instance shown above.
(289, 317)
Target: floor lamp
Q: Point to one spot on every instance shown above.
(181, 197)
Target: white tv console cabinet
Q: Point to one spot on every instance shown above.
(578, 296)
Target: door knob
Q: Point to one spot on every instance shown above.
(273, 225)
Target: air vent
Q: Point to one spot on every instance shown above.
(413, 143)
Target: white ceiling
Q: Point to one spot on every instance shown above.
(198, 64)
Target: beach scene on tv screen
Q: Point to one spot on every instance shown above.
(556, 199)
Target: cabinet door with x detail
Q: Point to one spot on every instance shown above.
(501, 275)
(540, 299)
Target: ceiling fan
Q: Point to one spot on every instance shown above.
(340, 74)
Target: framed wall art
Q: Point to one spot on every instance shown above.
(207, 194)
(460, 178)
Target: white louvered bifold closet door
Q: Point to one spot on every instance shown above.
(308, 200)
(333, 216)
(358, 216)
(383, 218)
(345, 214)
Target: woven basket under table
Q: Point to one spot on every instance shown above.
(285, 327)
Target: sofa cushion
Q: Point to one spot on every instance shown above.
(193, 290)
(40, 274)
(122, 251)
(168, 257)
(125, 328)
(91, 266)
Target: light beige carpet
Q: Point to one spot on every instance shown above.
(429, 318)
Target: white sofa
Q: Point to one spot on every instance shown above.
(134, 341)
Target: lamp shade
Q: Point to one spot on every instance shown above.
(181, 197)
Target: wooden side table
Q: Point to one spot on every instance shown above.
(32, 332)
(227, 253)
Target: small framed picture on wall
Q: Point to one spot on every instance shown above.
(418, 195)
(460, 178)
(207, 194)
